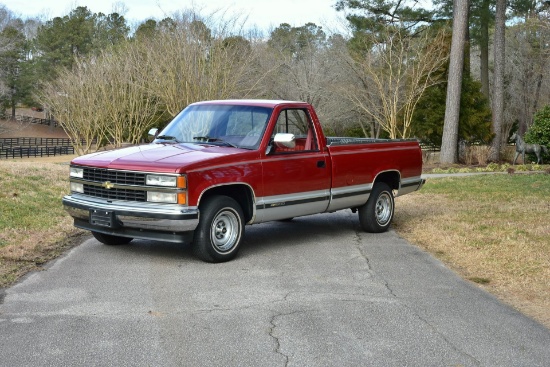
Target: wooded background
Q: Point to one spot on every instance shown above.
(469, 72)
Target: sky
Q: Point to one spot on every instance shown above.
(265, 14)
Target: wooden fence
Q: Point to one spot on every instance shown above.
(27, 152)
(30, 142)
(34, 147)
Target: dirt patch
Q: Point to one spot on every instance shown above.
(18, 129)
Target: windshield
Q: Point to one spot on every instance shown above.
(238, 126)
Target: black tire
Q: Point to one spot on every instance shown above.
(376, 215)
(219, 234)
(109, 239)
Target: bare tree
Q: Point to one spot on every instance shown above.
(189, 64)
(498, 84)
(130, 109)
(393, 75)
(7, 18)
(73, 101)
(337, 113)
(115, 97)
(299, 64)
(527, 61)
(449, 143)
(103, 100)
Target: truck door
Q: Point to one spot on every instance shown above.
(296, 179)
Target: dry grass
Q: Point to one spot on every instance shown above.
(493, 230)
(34, 228)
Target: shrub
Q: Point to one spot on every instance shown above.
(539, 132)
(481, 153)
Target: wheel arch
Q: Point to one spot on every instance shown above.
(390, 177)
(242, 193)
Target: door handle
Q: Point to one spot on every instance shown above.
(321, 164)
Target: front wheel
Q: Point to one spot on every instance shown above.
(220, 231)
(376, 215)
(109, 239)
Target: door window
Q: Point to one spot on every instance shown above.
(297, 123)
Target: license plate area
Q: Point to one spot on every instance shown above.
(102, 218)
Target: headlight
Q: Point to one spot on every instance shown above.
(77, 187)
(76, 172)
(162, 197)
(159, 180)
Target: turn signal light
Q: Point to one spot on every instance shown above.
(182, 198)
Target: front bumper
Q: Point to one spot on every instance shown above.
(164, 222)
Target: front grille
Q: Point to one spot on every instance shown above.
(115, 177)
(115, 193)
(102, 175)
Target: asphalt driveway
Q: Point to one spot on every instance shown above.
(312, 292)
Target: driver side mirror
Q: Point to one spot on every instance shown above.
(153, 134)
(281, 141)
(285, 140)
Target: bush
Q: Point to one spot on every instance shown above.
(539, 132)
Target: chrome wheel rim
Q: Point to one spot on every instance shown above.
(225, 230)
(383, 209)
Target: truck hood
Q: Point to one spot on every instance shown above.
(166, 158)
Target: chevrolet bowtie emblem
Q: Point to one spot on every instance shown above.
(108, 185)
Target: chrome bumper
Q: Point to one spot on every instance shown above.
(129, 216)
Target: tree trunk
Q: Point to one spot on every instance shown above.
(484, 49)
(498, 84)
(13, 105)
(467, 46)
(449, 142)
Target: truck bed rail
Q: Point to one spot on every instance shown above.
(332, 141)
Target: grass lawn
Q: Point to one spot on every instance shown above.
(491, 229)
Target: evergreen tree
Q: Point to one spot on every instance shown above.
(373, 16)
(474, 122)
(109, 30)
(78, 34)
(539, 132)
(296, 41)
(15, 73)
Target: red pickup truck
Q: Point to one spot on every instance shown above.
(219, 165)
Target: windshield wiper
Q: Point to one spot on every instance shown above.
(216, 141)
(205, 138)
(168, 137)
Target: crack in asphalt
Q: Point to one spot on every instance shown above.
(442, 336)
(386, 284)
(276, 339)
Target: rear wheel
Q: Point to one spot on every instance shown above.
(220, 231)
(109, 239)
(376, 215)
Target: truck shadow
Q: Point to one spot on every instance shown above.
(258, 238)
(264, 237)
(158, 249)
